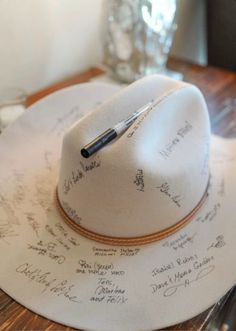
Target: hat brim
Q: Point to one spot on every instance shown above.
(57, 273)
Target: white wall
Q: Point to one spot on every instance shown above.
(42, 41)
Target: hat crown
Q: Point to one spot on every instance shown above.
(150, 177)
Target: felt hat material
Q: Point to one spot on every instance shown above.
(62, 275)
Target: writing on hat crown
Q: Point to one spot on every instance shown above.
(150, 177)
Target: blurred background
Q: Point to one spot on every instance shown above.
(48, 40)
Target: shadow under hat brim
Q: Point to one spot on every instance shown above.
(57, 273)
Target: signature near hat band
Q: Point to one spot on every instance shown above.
(131, 241)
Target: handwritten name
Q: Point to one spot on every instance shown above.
(43, 191)
(96, 268)
(107, 291)
(104, 251)
(218, 243)
(75, 177)
(162, 268)
(71, 212)
(129, 251)
(90, 166)
(209, 215)
(139, 180)
(62, 236)
(9, 222)
(7, 230)
(166, 190)
(33, 223)
(48, 282)
(47, 249)
(65, 233)
(137, 124)
(115, 251)
(200, 268)
(181, 242)
(180, 261)
(19, 191)
(179, 136)
(79, 174)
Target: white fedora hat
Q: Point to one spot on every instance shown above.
(151, 235)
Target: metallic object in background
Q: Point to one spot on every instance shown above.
(138, 37)
(223, 314)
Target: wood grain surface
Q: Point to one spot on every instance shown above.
(219, 89)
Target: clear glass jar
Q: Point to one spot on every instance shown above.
(139, 35)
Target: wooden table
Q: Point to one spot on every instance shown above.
(219, 89)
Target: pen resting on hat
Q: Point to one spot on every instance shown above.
(152, 176)
(135, 190)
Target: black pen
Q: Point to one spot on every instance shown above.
(110, 134)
